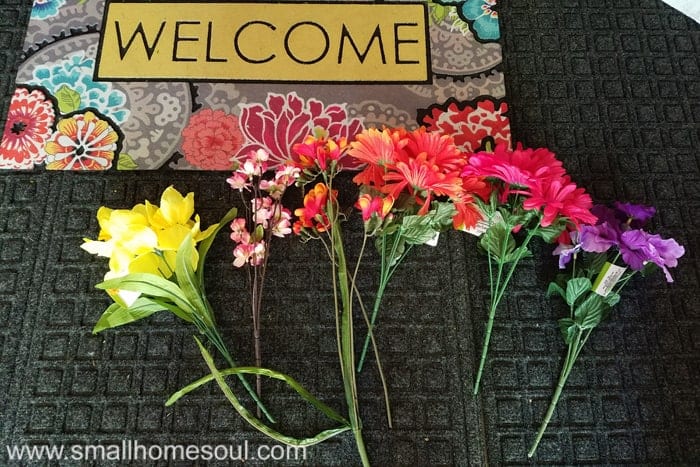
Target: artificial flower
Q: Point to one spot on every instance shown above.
(313, 214)
(590, 301)
(560, 197)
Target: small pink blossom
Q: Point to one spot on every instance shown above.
(239, 181)
(242, 254)
(281, 223)
(239, 233)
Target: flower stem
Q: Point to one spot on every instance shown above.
(215, 338)
(572, 354)
(499, 290)
(347, 355)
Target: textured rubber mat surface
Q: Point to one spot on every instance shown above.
(612, 86)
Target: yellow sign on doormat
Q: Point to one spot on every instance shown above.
(287, 42)
(145, 85)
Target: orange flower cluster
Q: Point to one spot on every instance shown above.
(421, 164)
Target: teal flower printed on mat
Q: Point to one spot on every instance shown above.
(70, 80)
(44, 9)
(481, 16)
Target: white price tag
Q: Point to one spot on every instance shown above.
(433, 241)
(483, 225)
(608, 277)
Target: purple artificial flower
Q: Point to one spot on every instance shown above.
(636, 214)
(633, 248)
(606, 214)
(566, 252)
(599, 238)
(639, 247)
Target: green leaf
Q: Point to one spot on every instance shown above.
(441, 215)
(594, 262)
(186, 278)
(152, 286)
(257, 423)
(68, 99)
(612, 299)
(498, 242)
(116, 315)
(568, 329)
(252, 370)
(555, 288)
(416, 230)
(205, 244)
(550, 233)
(575, 288)
(126, 162)
(590, 313)
(173, 309)
(393, 244)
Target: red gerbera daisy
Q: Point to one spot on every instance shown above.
(561, 197)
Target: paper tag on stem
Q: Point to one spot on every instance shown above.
(608, 277)
(483, 225)
(433, 241)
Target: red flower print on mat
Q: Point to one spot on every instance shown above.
(470, 122)
(29, 125)
(286, 120)
(211, 139)
(84, 141)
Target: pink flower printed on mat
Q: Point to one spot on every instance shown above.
(286, 120)
(29, 125)
(84, 141)
(211, 139)
(470, 122)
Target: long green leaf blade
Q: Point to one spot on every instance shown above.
(186, 279)
(205, 244)
(251, 370)
(255, 422)
(116, 315)
(149, 284)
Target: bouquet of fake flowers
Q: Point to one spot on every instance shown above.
(412, 188)
(613, 251)
(265, 218)
(530, 195)
(156, 260)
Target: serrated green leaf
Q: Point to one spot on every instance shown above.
(205, 244)
(416, 230)
(555, 288)
(116, 315)
(152, 286)
(550, 233)
(589, 314)
(68, 99)
(568, 329)
(126, 162)
(612, 299)
(498, 242)
(575, 288)
(441, 215)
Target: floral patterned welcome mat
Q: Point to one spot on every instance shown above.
(150, 85)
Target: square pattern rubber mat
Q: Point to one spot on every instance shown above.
(612, 86)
